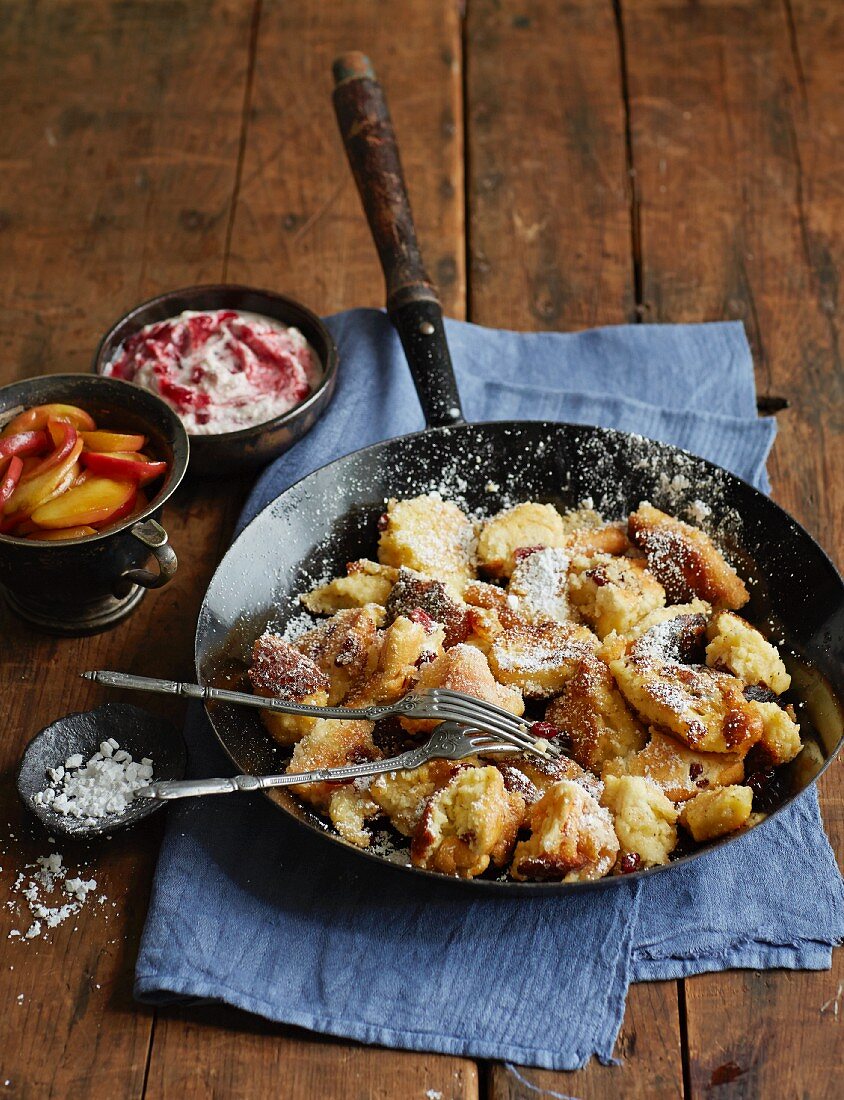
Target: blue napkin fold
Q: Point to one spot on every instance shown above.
(249, 909)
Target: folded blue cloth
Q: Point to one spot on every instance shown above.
(249, 909)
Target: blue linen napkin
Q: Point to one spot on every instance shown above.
(250, 909)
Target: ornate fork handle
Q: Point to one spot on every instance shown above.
(167, 789)
(259, 702)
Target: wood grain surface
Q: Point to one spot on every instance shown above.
(570, 164)
(734, 108)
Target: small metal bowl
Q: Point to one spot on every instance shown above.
(137, 731)
(82, 586)
(249, 448)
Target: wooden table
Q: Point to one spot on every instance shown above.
(571, 164)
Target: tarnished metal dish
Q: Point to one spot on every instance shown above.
(253, 447)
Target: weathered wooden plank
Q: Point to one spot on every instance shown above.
(298, 225)
(119, 129)
(221, 1052)
(735, 111)
(648, 1049)
(549, 203)
(119, 150)
(551, 247)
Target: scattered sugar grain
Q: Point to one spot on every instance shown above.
(697, 511)
(48, 879)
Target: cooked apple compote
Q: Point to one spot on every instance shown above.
(62, 477)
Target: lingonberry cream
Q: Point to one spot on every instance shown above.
(220, 370)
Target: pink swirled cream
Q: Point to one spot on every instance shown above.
(220, 370)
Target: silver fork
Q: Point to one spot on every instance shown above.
(437, 704)
(449, 741)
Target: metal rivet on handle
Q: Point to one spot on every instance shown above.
(426, 328)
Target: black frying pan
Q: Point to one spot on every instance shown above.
(329, 517)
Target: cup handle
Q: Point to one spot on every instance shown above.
(153, 536)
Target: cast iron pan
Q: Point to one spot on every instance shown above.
(329, 517)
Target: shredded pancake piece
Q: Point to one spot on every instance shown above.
(736, 646)
(366, 582)
(529, 524)
(685, 560)
(676, 769)
(464, 668)
(468, 823)
(280, 671)
(644, 818)
(613, 594)
(593, 713)
(538, 588)
(572, 837)
(714, 813)
(344, 648)
(539, 659)
(432, 536)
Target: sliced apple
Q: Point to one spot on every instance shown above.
(29, 464)
(28, 495)
(122, 465)
(112, 441)
(24, 443)
(10, 478)
(37, 417)
(98, 500)
(16, 525)
(61, 534)
(128, 509)
(64, 438)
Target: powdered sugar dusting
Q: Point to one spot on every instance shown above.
(539, 586)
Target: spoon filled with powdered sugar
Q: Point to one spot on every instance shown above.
(79, 775)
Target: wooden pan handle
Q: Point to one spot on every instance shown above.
(370, 141)
(412, 300)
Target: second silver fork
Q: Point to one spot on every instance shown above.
(449, 741)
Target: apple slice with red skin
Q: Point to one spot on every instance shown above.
(10, 478)
(17, 526)
(61, 534)
(112, 441)
(128, 509)
(97, 501)
(64, 437)
(122, 465)
(25, 443)
(37, 417)
(29, 494)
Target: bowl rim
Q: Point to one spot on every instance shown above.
(329, 362)
(174, 475)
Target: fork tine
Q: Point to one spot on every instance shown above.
(461, 697)
(483, 721)
(481, 714)
(478, 715)
(482, 711)
(485, 743)
(518, 743)
(524, 744)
